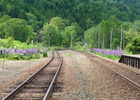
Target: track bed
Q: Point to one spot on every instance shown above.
(40, 84)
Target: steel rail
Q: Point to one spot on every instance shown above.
(109, 61)
(134, 84)
(16, 90)
(114, 63)
(53, 82)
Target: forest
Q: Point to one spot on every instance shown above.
(104, 24)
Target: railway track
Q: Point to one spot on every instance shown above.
(39, 85)
(130, 76)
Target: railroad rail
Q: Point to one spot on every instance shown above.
(39, 85)
(130, 76)
(130, 60)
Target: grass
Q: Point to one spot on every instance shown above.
(68, 54)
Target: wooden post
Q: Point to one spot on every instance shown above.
(111, 39)
(71, 41)
(99, 37)
(121, 38)
(2, 63)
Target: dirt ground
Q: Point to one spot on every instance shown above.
(11, 69)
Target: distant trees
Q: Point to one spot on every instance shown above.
(100, 23)
(90, 37)
(69, 34)
(56, 32)
(52, 35)
(114, 34)
(86, 13)
(16, 28)
(106, 34)
(52, 31)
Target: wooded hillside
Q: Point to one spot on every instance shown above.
(105, 19)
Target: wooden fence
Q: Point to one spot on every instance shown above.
(130, 60)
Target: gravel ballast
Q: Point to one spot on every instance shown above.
(96, 82)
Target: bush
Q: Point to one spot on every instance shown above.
(25, 54)
(134, 46)
(10, 43)
(45, 54)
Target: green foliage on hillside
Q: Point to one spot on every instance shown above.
(85, 12)
(97, 23)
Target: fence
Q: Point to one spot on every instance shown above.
(130, 60)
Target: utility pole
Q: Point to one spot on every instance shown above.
(99, 37)
(2, 53)
(111, 39)
(121, 38)
(49, 39)
(103, 44)
(71, 41)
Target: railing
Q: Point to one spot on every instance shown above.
(130, 60)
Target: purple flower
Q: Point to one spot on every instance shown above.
(108, 52)
(44, 50)
(97, 50)
(34, 51)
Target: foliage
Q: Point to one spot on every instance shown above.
(12, 49)
(108, 24)
(69, 34)
(112, 54)
(25, 54)
(45, 54)
(134, 46)
(112, 25)
(52, 35)
(85, 13)
(11, 43)
(108, 52)
(17, 29)
(4, 18)
(17, 54)
(58, 23)
(90, 35)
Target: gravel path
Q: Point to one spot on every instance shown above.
(96, 82)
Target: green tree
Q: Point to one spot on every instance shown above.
(69, 35)
(52, 35)
(111, 31)
(18, 29)
(58, 23)
(32, 21)
(136, 25)
(91, 37)
(4, 18)
(132, 40)
(79, 31)
(134, 46)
